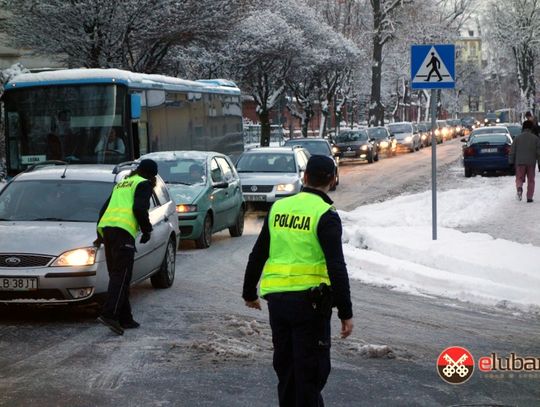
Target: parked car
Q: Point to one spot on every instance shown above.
(271, 173)
(487, 152)
(405, 136)
(316, 146)
(356, 144)
(48, 218)
(382, 139)
(207, 192)
(490, 130)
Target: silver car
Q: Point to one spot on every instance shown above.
(48, 220)
(405, 136)
(270, 173)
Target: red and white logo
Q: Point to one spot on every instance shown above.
(455, 365)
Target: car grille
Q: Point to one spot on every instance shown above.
(47, 294)
(260, 188)
(24, 260)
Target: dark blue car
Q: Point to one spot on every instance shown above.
(487, 152)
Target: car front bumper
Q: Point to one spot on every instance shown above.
(54, 284)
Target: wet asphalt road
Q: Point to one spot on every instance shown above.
(198, 345)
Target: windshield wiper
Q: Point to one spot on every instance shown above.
(4, 220)
(177, 183)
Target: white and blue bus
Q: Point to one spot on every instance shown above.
(110, 116)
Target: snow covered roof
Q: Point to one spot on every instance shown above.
(131, 79)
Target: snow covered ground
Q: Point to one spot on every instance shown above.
(389, 244)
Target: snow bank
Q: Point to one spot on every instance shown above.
(390, 244)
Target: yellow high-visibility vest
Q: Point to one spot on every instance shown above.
(296, 261)
(119, 213)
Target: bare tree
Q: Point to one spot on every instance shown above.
(130, 34)
(515, 25)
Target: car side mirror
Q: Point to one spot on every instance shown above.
(372, 139)
(464, 140)
(221, 185)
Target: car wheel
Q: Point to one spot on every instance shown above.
(205, 239)
(164, 278)
(468, 172)
(370, 157)
(238, 228)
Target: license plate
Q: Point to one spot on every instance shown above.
(257, 198)
(488, 150)
(18, 284)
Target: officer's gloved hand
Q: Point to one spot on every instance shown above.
(145, 237)
(98, 241)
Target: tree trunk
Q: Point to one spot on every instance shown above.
(264, 119)
(376, 108)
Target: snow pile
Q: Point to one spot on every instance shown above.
(390, 244)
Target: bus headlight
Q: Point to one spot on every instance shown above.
(78, 257)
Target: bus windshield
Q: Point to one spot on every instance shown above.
(80, 124)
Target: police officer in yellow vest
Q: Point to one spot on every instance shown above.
(300, 257)
(124, 213)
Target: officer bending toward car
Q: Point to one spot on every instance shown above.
(300, 257)
(120, 218)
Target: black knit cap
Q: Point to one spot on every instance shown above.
(148, 167)
(321, 165)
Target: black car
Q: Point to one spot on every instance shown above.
(356, 144)
(316, 146)
(382, 139)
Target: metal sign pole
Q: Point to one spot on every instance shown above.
(433, 164)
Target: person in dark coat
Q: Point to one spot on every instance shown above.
(524, 154)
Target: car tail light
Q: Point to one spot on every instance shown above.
(468, 152)
(507, 149)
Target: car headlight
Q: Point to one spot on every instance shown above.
(183, 208)
(384, 144)
(364, 148)
(498, 120)
(458, 128)
(335, 150)
(85, 256)
(437, 132)
(486, 120)
(408, 139)
(285, 187)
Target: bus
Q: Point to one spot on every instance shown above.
(89, 116)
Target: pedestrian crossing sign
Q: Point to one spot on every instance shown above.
(433, 66)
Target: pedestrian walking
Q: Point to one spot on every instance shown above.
(529, 117)
(524, 154)
(124, 213)
(298, 258)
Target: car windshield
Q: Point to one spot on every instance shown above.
(266, 162)
(184, 171)
(489, 139)
(488, 130)
(400, 128)
(377, 133)
(54, 200)
(348, 136)
(314, 147)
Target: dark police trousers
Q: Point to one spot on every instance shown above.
(119, 254)
(301, 339)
